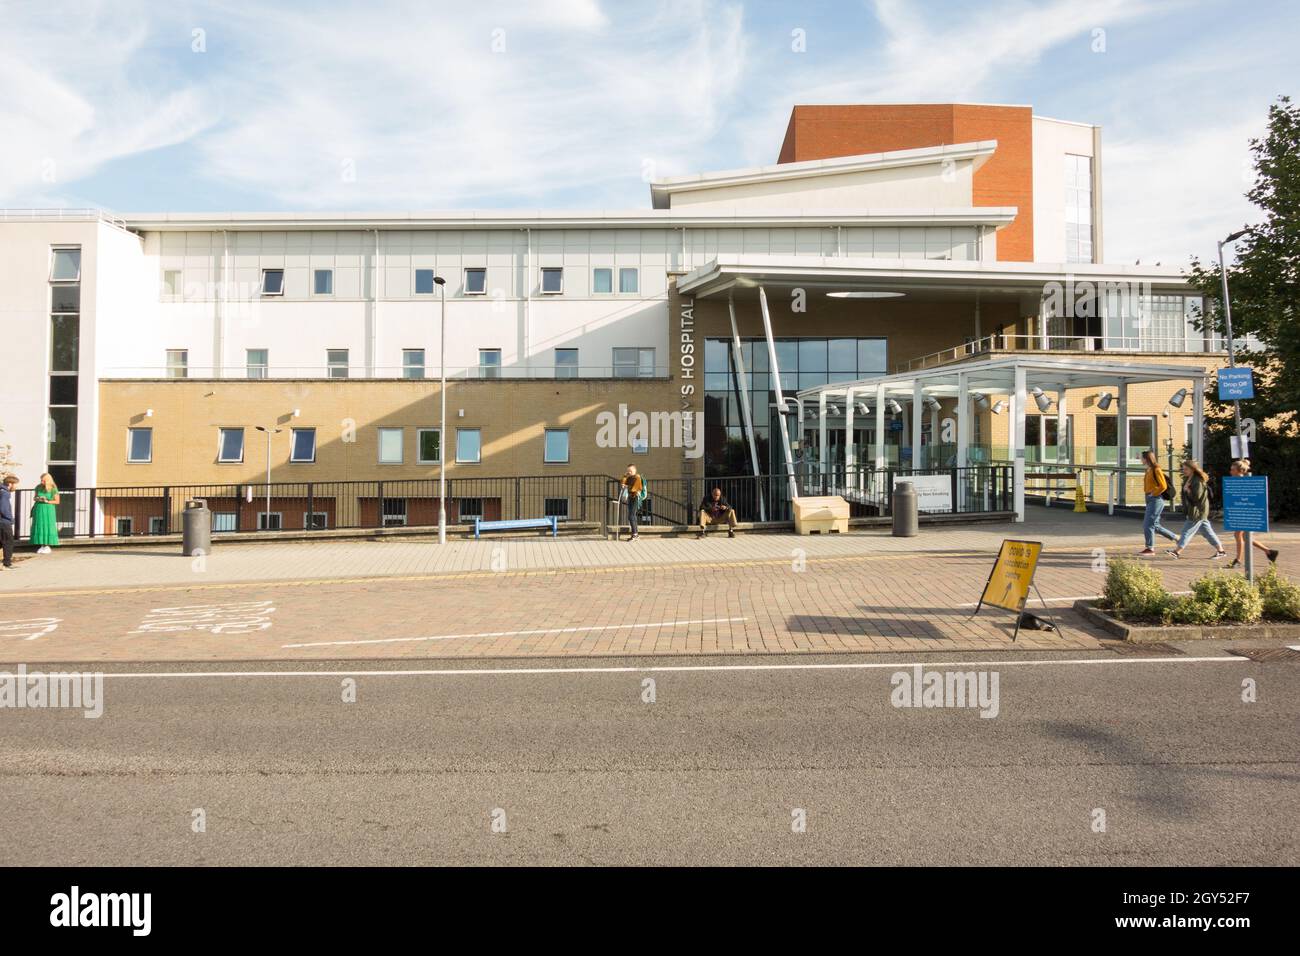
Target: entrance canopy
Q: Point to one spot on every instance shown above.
(995, 384)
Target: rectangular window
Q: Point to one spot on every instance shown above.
(469, 445)
(268, 521)
(323, 282)
(65, 299)
(63, 434)
(64, 338)
(412, 363)
(475, 281)
(602, 281)
(224, 521)
(566, 363)
(556, 508)
(230, 444)
(629, 281)
(178, 363)
(139, 445)
(430, 442)
(489, 363)
(124, 526)
(302, 444)
(552, 281)
(390, 446)
(172, 282)
(65, 265)
(1141, 437)
(337, 362)
(157, 525)
(394, 512)
(1078, 208)
(257, 362)
(470, 508)
(315, 520)
(556, 449)
(272, 282)
(424, 282)
(63, 389)
(634, 363)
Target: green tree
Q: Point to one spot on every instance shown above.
(1264, 283)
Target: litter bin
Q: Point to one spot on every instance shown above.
(905, 522)
(196, 528)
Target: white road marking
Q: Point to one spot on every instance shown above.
(678, 668)
(542, 630)
(34, 627)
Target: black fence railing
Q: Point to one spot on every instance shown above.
(591, 499)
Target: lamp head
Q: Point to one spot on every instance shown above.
(1178, 398)
(1105, 400)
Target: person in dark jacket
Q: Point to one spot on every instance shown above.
(7, 519)
(1196, 502)
(715, 509)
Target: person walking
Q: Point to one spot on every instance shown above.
(45, 525)
(633, 493)
(1196, 502)
(1241, 469)
(7, 486)
(1158, 495)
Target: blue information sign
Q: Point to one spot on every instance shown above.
(896, 425)
(1245, 504)
(1236, 383)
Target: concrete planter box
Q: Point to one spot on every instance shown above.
(1156, 633)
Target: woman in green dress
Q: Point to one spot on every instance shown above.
(45, 527)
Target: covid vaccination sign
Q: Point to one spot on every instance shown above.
(1245, 503)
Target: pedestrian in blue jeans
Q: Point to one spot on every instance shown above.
(1158, 495)
(1196, 502)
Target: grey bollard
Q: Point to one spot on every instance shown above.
(905, 521)
(196, 528)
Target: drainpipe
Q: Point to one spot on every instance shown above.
(528, 296)
(219, 326)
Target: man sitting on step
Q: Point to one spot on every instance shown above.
(715, 509)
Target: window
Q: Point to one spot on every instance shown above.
(65, 299)
(552, 281)
(424, 282)
(65, 265)
(178, 363)
(124, 526)
(412, 363)
(257, 363)
(1141, 437)
(64, 342)
(268, 521)
(634, 363)
(157, 525)
(315, 520)
(489, 363)
(566, 363)
(272, 282)
(139, 445)
(390, 446)
(430, 446)
(469, 445)
(556, 443)
(475, 281)
(394, 512)
(225, 521)
(302, 444)
(230, 444)
(323, 282)
(470, 508)
(629, 281)
(602, 281)
(172, 282)
(336, 361)
(1078, 208)
(556, 508)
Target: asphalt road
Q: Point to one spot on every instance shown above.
(575, 767)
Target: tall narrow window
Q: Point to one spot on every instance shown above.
(1078, 208)
(65, 340)
(257, 363)
(489, 363)
(412, 363)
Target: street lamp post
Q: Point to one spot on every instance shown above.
(1232, 363)
(269, 432)
(442, 422)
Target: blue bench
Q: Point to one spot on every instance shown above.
(517, 524)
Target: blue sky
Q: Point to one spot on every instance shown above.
(575, 103)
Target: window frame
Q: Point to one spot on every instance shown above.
(574, 365)
(177, 288)
(594, 270)
(419, 445)
(249, 365)
(546, 508)
(262, 290)
(460, 509)
(466, 290)
(636, 272)
(293, 445)
(54, 251)
(117, 526)
(130, 444)
(489, 369)
(433, 286)
(332, 366)
(221, 444)
(478, 459)
(639, 349)
(404, 514)
(541, 283)
(408, 368)
(308, 525)
(268, 515)
(315, 277)
(183, 367)
(546, 450)
(401, 445)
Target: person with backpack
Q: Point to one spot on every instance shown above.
(633, 493)
(1158, 495)
(1241, 469)
(1196, 502)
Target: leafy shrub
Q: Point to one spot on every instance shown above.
(1135, 590)
(1281, 597)
(1231, 595)
(1188, 610)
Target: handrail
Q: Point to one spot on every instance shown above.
(1008, 342)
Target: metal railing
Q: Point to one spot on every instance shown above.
(1060, 343)
(417, 373)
